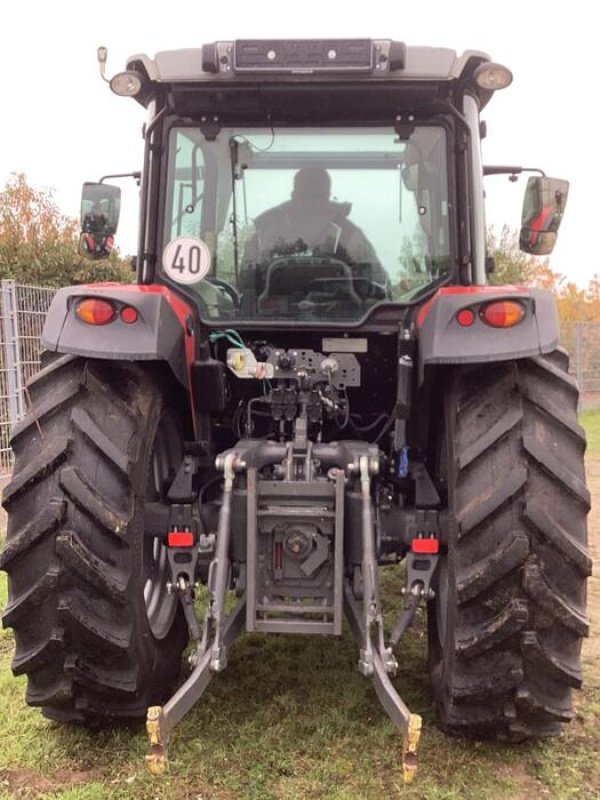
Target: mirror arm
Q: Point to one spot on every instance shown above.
(137, 176)
(512, 172)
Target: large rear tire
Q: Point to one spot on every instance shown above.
(506, 627)
(96, 632)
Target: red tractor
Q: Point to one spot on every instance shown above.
(310, 378)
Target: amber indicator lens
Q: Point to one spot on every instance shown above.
(95, 312)
(502, 313)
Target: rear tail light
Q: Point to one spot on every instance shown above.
(94, 311)
(129, 314)
(502, 313)
(466, 317)
(99, 311)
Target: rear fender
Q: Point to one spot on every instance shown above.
(163, 330)
(442, 340)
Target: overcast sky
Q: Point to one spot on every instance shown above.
(62, 125)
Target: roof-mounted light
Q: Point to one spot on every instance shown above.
(126, 84)
(491, 77)
(305, 56)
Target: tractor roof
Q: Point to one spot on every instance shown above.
(413, 63)
(308, 62)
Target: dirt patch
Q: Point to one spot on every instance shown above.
(28, 783)
(528, 786)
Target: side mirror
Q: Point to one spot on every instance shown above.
(543, 207)
(100, 208)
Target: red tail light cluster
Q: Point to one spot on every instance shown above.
(502, 313)
(497, 314)
(97, 311)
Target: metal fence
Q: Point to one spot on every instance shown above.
(22, 313)
(23, 310)
(582, 340)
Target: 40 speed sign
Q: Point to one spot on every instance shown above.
(186, 259)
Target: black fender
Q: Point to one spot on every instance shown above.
(162, 331)
(442, 340)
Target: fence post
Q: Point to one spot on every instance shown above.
(10, 344)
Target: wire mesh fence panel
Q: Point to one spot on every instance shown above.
(33, 303)
(22, 313)
(582, 341)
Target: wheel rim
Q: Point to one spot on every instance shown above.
(160, 605)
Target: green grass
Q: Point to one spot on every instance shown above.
(591, 422)
(290, 719)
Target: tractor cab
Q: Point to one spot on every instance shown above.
(316, 181)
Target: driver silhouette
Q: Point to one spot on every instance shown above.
(309, 222)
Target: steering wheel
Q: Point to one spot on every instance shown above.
(228, 288)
